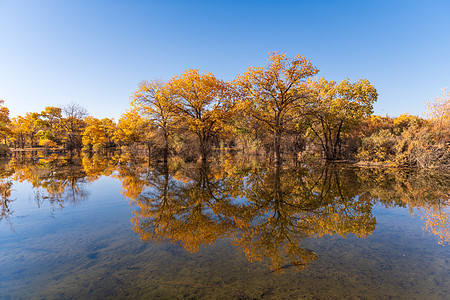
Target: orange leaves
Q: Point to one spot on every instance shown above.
(277, 98)
(155, 100)
(98, 131)
(132, 128)
(204, 104)
(4, 116)
(279, 81)
(197, 102)
(201, 96)
(274, 94)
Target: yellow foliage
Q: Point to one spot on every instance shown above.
(273, 94)
(334, 108)
(132, 128)
(439, 109)
(48, 143)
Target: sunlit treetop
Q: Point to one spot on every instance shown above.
(201, 96)
(354, 100)
(277, 88)
(439, 108)
(155, 99)
(4, 113)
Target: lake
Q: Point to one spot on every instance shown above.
(234, 228)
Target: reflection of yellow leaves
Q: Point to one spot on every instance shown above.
(54, 179)
(425, 193)
(96, 166)
(133, 181)
(5, 194)
(437, 220)
(281, 209)
(438, 223)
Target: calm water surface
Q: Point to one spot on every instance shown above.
(232, 229)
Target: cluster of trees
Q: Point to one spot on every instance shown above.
(52, 127)
(262, 104)
(409, 140)
(69, 128)
(263, 108)
(277, 109)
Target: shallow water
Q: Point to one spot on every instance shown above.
(229, 230)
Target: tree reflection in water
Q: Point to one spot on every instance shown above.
(5, 191)
(267, 211)
(55, 180)
(198, 204)
(426, 193)
(5, 200)
(192, 210)
(287, 205)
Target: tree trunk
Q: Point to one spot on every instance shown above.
(203, 147)
(166, 147)
(149, 147)
(276, 145)
(204, 153)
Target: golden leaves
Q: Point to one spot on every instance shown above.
(439, 108)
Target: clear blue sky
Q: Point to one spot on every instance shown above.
(94, 53)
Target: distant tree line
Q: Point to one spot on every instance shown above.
(278, 109)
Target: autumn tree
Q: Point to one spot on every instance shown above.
(274, 95)
(98, 134)
(156, 100)
(17, 136)
(374, 123)
(92, 133)
(250, 134)
(50, 121)
(4, 121)
(335, 108)
(73, 125)
(408, 140)
(133, 129)
(24, 130)
(205, 104)
(406, 121)
(439, 109)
